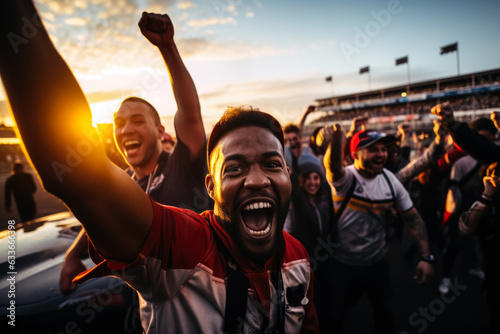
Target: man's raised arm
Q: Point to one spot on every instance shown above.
(159, 30)
(54, 120)
(333, 160)
(470, 141)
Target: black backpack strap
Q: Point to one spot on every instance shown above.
(389, 222)
(391, 187)
(236, 301)
(347, 198)
(277, 281)
(236, 291)
(338, 214)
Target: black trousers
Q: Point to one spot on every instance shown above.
(492, 287)
(348, 283)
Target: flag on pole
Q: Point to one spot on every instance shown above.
(402, 60)
(364, 69)
(449, 48)
(329, 79)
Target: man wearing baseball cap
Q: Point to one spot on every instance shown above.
(371, 194)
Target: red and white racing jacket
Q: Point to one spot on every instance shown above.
(181, 278)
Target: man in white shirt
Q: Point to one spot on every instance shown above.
(372, 192)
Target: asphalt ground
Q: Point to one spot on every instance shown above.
(420, 308)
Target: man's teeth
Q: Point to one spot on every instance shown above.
(257, 205)
(259, 233)
(131, 144)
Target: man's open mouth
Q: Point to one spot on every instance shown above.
(257, 218)
(131, 145)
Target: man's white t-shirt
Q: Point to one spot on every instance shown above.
(361, 230)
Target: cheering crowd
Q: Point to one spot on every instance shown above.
(227, 235)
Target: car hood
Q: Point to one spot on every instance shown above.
(40, 246)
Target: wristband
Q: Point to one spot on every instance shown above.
(428, 258)
(485, 199)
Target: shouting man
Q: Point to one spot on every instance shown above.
(228, 270)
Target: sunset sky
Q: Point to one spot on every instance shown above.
(272, 54)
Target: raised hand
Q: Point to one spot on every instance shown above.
(404, 130)
(404, 134)
(495, 117)
(424, 272)
(444, 111)
(71, 267)
(358, 124)
(329, 133)
(157, 28)
(491, 184)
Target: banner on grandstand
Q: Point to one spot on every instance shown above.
(402, 60)
(364, 69)
(449, 48)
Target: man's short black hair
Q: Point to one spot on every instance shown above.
(17, 166)
(483, 124)
(239, 117)
(154, 112)
(291, 128)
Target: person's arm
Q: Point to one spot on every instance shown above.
(73, 264)
(495, 117)
(470, 219)
(306, 113)
(475, 144)
(159, 30)
(416, 227)
(333, 158)
(446, 162)
(406, 141)
(56, 129)
(357, 124)
(430, 156)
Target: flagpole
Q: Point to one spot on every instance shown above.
(404, 60)
(366, 69)
(330, 79)
(408, 76)
(452, 48)
(408, 71)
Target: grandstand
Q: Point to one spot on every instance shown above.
(472, 95)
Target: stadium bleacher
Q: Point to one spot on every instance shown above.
(471, 95)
